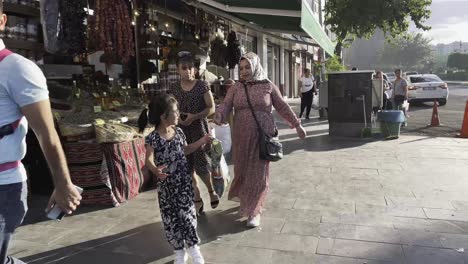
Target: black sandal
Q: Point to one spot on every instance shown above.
(214, 204)
(197, 208)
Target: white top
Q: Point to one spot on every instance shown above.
(399, 86)
(21, 83)
(307, 84)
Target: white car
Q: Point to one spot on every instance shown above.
(391, 76)
(427, 88)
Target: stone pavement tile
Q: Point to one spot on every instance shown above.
(33, 251)
(278, 202)
(310, 229)
(325, 245)
(419, 255)
(454, 241)
(443, 214)
(324, 205)
(100, 256)
(436, 226)
(324, 259)
(366, 233)
(293, 214)
(414, 202)
(460, 205)
(282, 257)
(80, 238)
(390, 210)
(148, 242)
(420, 238)
(271, 225)
(354, 171)
(217, 253)
(45, 234)
(283, 242)
(131, 222)
(89, 223)
(361, 220)
(361, 250)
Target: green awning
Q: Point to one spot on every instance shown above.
(301, 21)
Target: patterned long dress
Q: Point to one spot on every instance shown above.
(251, 174)
(193, 102)
(175, 193)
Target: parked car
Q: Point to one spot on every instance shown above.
(411, 73)
(427, 88)
(391, 76)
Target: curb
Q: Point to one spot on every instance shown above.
(457, 82)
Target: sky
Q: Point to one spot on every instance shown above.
(449, 21)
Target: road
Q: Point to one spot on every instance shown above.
(451, 115)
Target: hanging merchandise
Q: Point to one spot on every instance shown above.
(63, 26)
(113, 30)
(72, 27)
(218, 52)
(233, 50)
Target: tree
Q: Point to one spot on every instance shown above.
(409, 51)
(349, 19)
(333, 64)
(458, 61)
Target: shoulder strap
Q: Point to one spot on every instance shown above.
(4, 53)
(251, 108)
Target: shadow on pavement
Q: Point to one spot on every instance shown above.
(144, 244)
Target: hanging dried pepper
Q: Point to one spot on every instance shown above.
(113, 31)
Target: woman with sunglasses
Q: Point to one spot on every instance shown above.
(196, 103)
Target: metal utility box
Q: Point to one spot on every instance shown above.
(349, 93)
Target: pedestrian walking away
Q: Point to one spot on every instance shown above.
(166, 150)
(308, 89)
(252, 174)
(24, 101)
(196, 103)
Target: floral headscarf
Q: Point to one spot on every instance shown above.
(258, 74)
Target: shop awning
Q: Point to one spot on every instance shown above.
(285, 16)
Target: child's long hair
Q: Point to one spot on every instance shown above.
(158, 106)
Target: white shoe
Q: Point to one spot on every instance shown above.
(196, 255)
(253, 221)
(180, 256)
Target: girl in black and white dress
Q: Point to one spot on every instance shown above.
(166, 150)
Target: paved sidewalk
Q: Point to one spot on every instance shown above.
(337, 201)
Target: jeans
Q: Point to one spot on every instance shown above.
(13, 207)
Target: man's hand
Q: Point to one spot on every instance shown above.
(67, 198)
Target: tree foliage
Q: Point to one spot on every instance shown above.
(360, 18)
(333, 64)
(410, 52)
(458, 61)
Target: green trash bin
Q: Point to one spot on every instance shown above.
(390, 123)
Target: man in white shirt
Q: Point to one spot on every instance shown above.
(307, 84)
(24, 100)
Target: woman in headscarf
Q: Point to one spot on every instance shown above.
(252, 174)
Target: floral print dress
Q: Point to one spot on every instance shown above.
(252, 174)
(175, 193)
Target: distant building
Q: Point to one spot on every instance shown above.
(447, 49)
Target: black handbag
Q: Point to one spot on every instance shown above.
(270, 148)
